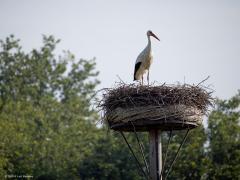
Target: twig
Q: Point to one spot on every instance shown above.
(203, 80)
(120, 79)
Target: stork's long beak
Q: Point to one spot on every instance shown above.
(155, 36)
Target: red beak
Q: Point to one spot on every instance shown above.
(155, 36)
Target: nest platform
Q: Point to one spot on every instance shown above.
(131, 107)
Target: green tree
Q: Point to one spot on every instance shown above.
(192, 160)
(112, 159)
(224, 139)
(46, 123)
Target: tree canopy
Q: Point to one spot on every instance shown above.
(45, 114)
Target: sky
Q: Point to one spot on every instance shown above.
(198, 38)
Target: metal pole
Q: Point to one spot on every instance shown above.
(140, 167)
(155, 154)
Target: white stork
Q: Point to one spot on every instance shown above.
(144, 60)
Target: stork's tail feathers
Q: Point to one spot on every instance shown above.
(134, 78)
(137, 66)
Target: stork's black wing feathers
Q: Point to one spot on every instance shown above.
(137, 66)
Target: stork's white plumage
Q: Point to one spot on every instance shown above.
(144, 60)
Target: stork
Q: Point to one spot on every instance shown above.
(144, 60)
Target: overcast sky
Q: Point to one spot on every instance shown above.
(198, 38)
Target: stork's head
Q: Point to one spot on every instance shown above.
(150, 33)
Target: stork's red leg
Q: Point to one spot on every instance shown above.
(148, 77)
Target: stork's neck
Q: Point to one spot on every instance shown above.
(149, 43)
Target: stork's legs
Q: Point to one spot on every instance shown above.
(148, 77)
(142, 79)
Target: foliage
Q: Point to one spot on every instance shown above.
(224, 139)
(45, 115)
(112, 159)
(192, 159)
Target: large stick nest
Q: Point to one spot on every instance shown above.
(163, 106)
